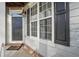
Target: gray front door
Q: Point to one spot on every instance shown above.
(16, 28)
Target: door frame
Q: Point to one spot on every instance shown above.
(10, 40)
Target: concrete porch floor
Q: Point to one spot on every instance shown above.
(22, 52)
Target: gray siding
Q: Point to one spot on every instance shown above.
(74, 24)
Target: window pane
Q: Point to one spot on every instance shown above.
(34, 28)
(45, 9)
(49, 5)
(44, 3)
(28, 22)
(46, 29)
(40, 9)
(34, 10)
(40, 4)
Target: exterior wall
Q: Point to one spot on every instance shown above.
(2, 23)
(2, 27)
(38, 44)
(31, 41)
(74, 24)
(47, 48)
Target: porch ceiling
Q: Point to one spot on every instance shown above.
(16, 4)
(19, 6)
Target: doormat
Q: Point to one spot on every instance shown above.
(14, 47)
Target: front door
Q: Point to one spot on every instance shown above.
(16, 28)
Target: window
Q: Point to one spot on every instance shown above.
(45, 9)
(34, 20)
(34, 28)
(34, 10)
(62, 23)
(28, 22)
(46, 23)
(46, 29)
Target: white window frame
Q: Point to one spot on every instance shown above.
(31, 20)
(49, 42)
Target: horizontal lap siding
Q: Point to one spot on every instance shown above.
(74, 24)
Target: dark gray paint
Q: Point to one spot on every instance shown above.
(62, 23)
(16, 28)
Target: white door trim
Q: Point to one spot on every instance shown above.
(10, 31)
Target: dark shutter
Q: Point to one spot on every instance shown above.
(62, 23)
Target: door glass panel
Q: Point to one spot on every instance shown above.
(16, 28)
